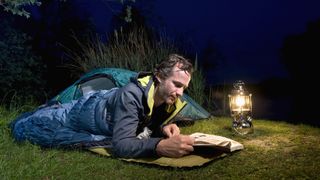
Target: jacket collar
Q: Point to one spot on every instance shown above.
(147, 83)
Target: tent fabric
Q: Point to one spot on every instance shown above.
(107, 78)
(119, 77)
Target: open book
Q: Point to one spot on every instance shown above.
(216, 142)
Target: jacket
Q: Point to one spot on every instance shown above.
(134, 114)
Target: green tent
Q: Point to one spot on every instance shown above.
(107, 78)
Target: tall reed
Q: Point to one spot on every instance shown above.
(136, 50)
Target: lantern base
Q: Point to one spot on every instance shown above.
(243, 125)
(243, 131)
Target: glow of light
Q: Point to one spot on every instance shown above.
(240, 101)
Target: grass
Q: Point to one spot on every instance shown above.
(276, 150)
(136, 50)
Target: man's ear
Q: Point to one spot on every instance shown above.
(158, 79)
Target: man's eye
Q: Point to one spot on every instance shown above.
(178, 85)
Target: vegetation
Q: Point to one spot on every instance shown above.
(17, 7)
(300, 53)
(276, 150)
(129, 47)
(133, 50)
(21, 70)
(139, 49)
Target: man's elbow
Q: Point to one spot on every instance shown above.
(122, 149)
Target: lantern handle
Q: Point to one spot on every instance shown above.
(239, 85)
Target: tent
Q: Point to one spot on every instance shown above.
(107, 78)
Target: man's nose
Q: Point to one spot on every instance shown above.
(180, 92)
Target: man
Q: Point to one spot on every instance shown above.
(134, 118)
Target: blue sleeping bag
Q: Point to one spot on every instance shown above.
(64, 125)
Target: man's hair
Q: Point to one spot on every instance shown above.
(164, 69)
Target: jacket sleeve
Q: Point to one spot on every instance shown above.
(126, 118)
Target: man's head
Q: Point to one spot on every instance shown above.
(164, 69)
(172, 76)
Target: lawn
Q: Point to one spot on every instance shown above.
(276, 150)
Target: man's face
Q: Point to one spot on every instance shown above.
(171, 88)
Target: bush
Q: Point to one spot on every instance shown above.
(20, 70)
(134, 50)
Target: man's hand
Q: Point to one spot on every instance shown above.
(175, 146)
(171, 130)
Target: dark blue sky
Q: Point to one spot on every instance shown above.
(248, 33)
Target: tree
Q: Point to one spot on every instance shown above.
(52, 30)
(20, 69)
(52, 33)
(301, 52)
(300, 55)
(18, 7)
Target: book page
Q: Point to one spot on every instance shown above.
(202, 139)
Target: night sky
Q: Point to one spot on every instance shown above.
(248, 34)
